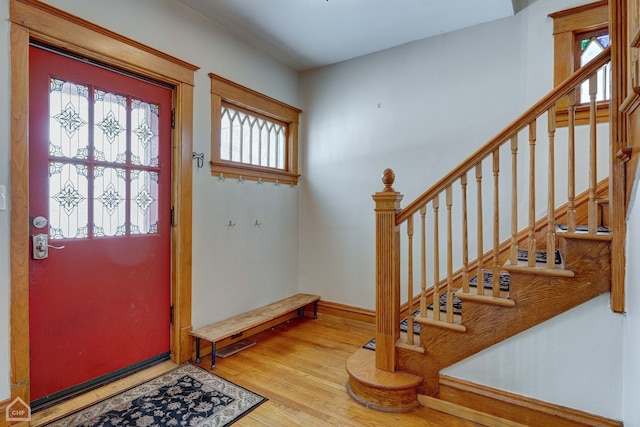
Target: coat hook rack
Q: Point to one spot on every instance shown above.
(199, 158)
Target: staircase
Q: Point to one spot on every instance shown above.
(520, 285)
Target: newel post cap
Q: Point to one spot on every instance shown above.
(388, 178)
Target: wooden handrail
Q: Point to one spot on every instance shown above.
(506, 134)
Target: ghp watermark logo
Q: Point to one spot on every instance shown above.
(18, 410)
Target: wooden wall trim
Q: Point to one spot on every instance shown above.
(32, 19)
(618, 26)
(48, 23)
(468, 414)
(346, 311)
(516, 407)
(19, 221)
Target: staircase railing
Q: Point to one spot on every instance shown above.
(465, 202)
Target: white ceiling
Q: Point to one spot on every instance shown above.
(307, 34)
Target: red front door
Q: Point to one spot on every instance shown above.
(99, 189)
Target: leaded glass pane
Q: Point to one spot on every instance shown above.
(144, 202)
(252, 140)
(69, 115)
(282, 136)
(225, 134)
(68, 205)
(144, 133)
(110, 118)
(109, 202)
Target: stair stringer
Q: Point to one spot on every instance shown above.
(537, 298)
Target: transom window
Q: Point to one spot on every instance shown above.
(250, 139)
(253, 136)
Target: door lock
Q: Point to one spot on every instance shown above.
(41, 246)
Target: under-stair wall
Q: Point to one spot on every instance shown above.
(540, 363)
(537, 298)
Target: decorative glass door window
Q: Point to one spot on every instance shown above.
(103, 163)
(590, 46)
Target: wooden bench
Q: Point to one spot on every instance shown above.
(237, 325)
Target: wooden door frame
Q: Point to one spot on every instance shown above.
(33, 20)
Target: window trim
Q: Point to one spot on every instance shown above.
(235, 95)
(567, 24)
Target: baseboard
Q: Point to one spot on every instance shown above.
(515, 407)
(346, 311)
(468, 414)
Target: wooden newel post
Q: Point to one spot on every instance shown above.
(387, 273)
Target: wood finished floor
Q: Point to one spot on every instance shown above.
(300, 367)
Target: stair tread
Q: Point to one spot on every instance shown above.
(540, 270)
(502, 300)
(456, 325)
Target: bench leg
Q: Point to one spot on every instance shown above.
(315, 309)
(213, 356)
(197, 350)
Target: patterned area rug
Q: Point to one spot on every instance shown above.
(186, 396)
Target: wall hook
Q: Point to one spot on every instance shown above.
(241, 179)
(231, 224)
(277, 183)
(221, 177)
(258, 223)
(199, 158)
(260, 181)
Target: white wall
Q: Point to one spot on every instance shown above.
(631, 371)
(572, 360)
(233, 269)
(4, 215)
(420, 109)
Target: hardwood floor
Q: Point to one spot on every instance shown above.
(300, 367)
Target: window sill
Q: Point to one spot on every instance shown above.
(582, 115)
(253, 173)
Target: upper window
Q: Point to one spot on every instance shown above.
(588, 46)
(253, 136)
(579, 35)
